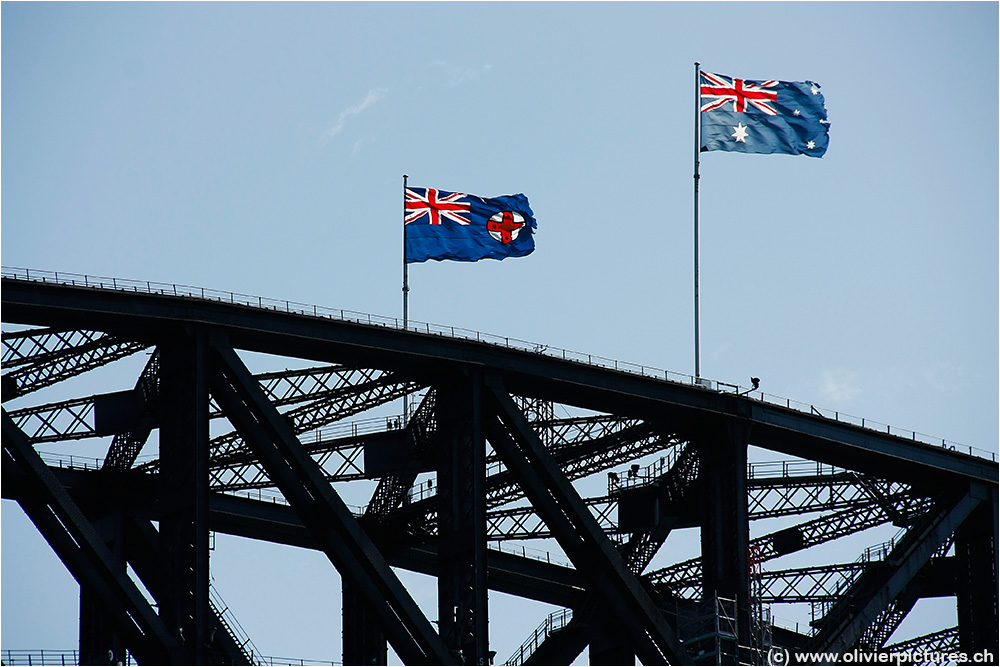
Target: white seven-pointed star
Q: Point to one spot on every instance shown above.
(796, 113)
(810, 145)
(814, 90)
(741, 133)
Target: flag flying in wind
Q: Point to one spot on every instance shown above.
(762, 116)
(451, 225)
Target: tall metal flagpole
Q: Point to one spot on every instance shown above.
(406, 295)
(406, 283)
(697, 177)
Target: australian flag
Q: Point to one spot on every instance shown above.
(762, 116)
(451, 225)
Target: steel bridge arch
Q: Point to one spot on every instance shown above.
(486, 434)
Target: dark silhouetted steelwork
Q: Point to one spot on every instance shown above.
(500, 438)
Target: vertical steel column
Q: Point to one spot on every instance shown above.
(725, 525)
(976, 551)
(100, 642)
(463, 615)
(364, 642)
(184, 533)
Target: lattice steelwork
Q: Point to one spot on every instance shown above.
(600, 465)
(57, 422)
(39, 358)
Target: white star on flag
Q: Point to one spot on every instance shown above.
(741, 133)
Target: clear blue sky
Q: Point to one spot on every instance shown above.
(260, 148)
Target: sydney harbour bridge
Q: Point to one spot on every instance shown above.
(261, 413)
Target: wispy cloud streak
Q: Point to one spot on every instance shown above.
(839, 385)
(349, 114)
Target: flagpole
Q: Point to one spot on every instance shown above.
(697, 177)
(406, 283)
(406, 293)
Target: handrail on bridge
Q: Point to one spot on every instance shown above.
(293, 307)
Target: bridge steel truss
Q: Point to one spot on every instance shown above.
(479, 461)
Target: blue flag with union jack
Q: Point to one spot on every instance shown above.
(762, 116)
(451, 225)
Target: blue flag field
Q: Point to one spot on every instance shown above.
(442, 225)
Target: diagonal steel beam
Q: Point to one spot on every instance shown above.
(677, 485)
(142, 551)
(683, 578)
(323, 512)
(577, 532)
(85, 555)
(872, 593)
(576, 459)
(125, 447)
(392, 489)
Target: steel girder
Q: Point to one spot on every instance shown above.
(142, 548)
(125, 447)
(844, 625)
(669, 413)
(593, 554)
(576, 460)
(508, 573)
(885, 623)
(768, 497)
(55, 422)
(526, 373)
(323, 512)
(675, 487)
(43, 357)
(184, 487)
(564, 644)
(522, 576)
(833, 490)
(725, 521)
(524, 523)
(85, 554)
(99, 495)
(250, 518)
(942, 641)
(393, 489)
(463, 614)
(682, 578)
(976, 556)
(356, 390)
(821, 583)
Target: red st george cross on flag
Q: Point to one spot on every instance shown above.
(503, 227)
(722, 91)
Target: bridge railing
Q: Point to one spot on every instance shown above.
(72, 657)
(553, 622)
(294, 307)
(40, 657)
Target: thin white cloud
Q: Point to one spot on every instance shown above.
(839, 385)
(349, 114)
